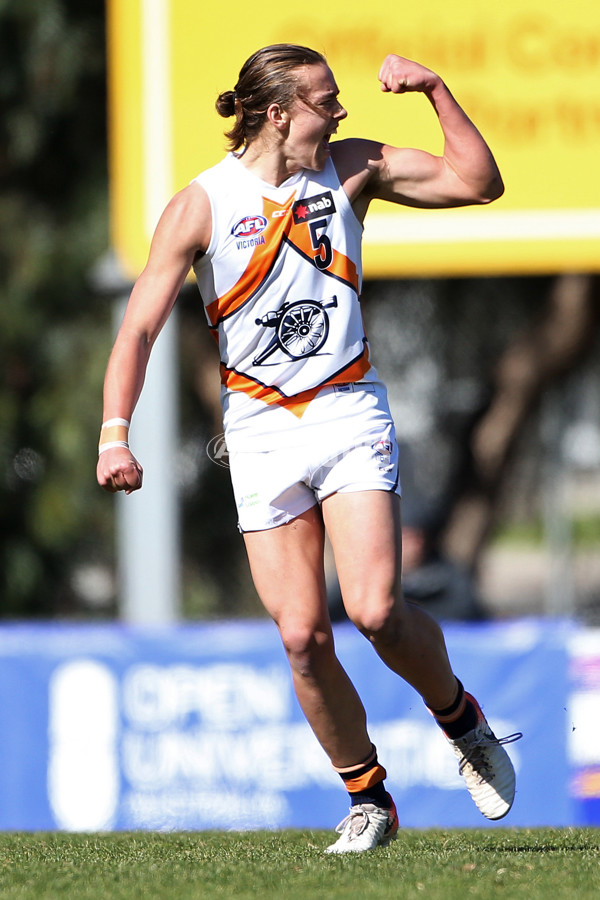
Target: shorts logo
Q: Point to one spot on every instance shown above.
(383, 447)
(249, 500)
(313, 207)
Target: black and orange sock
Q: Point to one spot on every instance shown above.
(365, 782)
(458, 718)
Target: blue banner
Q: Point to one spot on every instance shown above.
(197, 727)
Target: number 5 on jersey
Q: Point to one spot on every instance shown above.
(321, 244)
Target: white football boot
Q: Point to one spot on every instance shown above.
(486, 767)
(366, 826)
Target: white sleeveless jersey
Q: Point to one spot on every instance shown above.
(280, 283)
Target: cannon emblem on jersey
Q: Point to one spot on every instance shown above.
(301, 328)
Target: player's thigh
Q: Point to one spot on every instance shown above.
(364, 530)
(287, 569)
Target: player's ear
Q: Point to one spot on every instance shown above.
(278, 117)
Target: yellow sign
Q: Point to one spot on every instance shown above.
(526, 71)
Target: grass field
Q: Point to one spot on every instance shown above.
(532, 863)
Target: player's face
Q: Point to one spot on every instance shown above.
(314, 117)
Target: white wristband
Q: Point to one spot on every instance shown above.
(110, 444)
(110, 422)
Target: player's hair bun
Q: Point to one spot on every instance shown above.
(226, 104)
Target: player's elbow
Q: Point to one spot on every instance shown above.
(493, 189)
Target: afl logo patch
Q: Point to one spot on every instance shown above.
(249, 226)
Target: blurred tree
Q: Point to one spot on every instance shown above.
(554, 343)
(53, 226)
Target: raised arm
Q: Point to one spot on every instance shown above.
(466, 172)
(182, 232)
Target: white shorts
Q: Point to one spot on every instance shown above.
(273, 487)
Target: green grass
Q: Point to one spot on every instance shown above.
(290, 865)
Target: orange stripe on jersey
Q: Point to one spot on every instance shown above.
(279, 220)
(341, 266)
(297, 404)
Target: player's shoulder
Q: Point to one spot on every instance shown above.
(189, 200)
(186, 220)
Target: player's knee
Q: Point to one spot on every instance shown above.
(380, 623)
(307, 649)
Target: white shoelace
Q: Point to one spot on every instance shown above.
(476, 755)
(352, 818)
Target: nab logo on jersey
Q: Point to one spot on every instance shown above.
(313, 207)
(249, 226)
